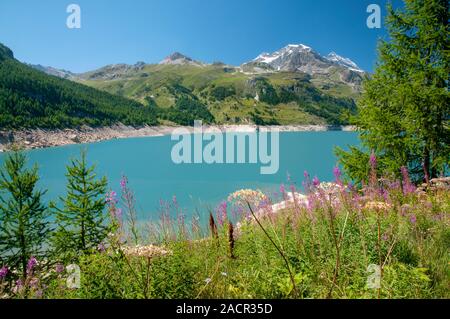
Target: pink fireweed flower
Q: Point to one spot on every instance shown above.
(101, 247)
(292, 188)
(408, 187)
(384, 194)
(164, 207)
(404, 210)
(118, 214)
(306, 174)
(283, 191)
(264, 203)
(413, 219)
(316, 182)
(59, 268)
(19, 284)
(310, 204)
(32, 262)
(221, 212)
(394, 185)
(34, 283)
(350, 186)
(3, 272)
(111, 197)
(337, 174)
(306, 182)
(373, 160)
(265, 207)
(123, 182)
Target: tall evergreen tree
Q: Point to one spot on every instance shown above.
(24, 226)
(82, 219)
(404, 111)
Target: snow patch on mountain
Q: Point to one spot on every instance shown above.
(265, 58)
(301, 46)
(303, 58)
(280, 54)
(345, 62)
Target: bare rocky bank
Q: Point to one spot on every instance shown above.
(41, 138)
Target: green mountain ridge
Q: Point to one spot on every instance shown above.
(31, 99)
(231, 95)
(179, 90)
(5, 53)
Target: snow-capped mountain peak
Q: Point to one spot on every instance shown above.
(300, 57)
(294, 57)
(301, 46)
(262, 57)
(346, 62)
(282, 54)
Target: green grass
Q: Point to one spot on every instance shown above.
(320, 252)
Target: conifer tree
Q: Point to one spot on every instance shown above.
(24, 226)
(82, 218)
(404, 111)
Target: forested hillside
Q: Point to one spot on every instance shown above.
(30, 99)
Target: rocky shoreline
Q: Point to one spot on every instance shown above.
(41, 138)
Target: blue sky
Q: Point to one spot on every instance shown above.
(232, 31)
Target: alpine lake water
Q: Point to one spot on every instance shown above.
(154, 177)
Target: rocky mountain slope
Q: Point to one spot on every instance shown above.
(179, 59)
(302, 58)
(54, 71)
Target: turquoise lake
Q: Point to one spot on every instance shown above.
(153, 176)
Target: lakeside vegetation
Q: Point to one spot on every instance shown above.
(380, 230)
(404, 112)
(326, 244)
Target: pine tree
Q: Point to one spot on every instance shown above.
(24, 226)
(404, 111)
(82, 219)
